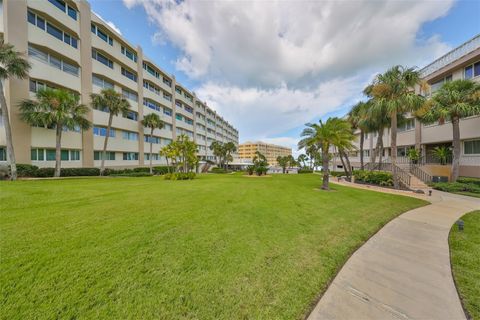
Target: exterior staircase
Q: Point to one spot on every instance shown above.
(411, 176)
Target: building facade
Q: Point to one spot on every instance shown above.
(247, 151)
(461, 63)
(70, 47)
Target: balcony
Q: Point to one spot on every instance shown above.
(101, 118)
(42, 38)
(43, 71)
(56, 15)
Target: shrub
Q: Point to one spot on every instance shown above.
(261, 170)
(132, 174)
(26, 170)
(456, 187)
(304, 170)
(79, 172)
(161, 170)
(337, 173)
(382, 178)
(4, 172)
(475, 181)
(44, 172)
(219, 170)
(180, 176)
(250, 170)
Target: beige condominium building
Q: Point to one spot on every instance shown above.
(460, 63)
(247, 150)
(70, 47)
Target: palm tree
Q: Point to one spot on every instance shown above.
(358, 118)
(333, 132)
(115, 104)
(12, 65)
(57, 108)
(153, 122)
(302, 158)
(229, 148)
(217, 148)
(454, 100)
(394, 90)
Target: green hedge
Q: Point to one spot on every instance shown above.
(456, 187)
(219, 170)
(337, 173)
(132, 174)
(381, 178)
(180, 176)
(475, 181)
(305, 170)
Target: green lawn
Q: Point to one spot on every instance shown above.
(218, 247)
(465, 256)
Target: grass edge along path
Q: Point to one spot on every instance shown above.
(465, 260)
(217, 247)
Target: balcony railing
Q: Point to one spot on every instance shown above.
(451, 56)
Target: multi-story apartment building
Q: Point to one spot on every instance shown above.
(70, 47)
(247, 151)
(460, 63)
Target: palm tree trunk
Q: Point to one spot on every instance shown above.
(379, 146)
(325, 168)
(349, 166)
(168, 167)
(372, 151)
(151, 155)
(362, 139)
(456, 149)
(8, 135)
(105, 143)
(58, 150)
(393, 148)
(340, 154)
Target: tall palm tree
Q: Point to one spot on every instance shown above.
(358, 118)
(57, 108)
(153, 122)
(394, 90)
(229, 148)
(115, 104)
(302, 158)
(12, 65)
(454, 100)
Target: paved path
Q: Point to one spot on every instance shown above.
(402, 272)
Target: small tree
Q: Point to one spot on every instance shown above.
(115, 104)
(302, 159)
(218, 152)
(55, 108)
(12, 65)
(228, 149)
(260, 164)
(283, 162)
(153, 122)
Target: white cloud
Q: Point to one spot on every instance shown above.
(270, 66)
(109, 23)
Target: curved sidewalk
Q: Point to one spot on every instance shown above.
(403, 271)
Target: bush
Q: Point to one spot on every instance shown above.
(132, 174)
(79, 172)
(475, 181)
(250, 170)
(219, 170)
(304, 170)
(261, 170)
(456, 187)
(180, 176)
(337, 173)
(382, 178)
(161, 170)
(26, 170)
(44, 172)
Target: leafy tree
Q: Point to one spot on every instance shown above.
(260, 164)
(57, 108)
(283, 162)
(393, 90)
(228, 149)
(12, 65)
(186, 150)
(170, 153)
(115, 104)
(153, 122)
(453, 101)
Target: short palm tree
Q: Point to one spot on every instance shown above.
(153, 122)
(57, 108)
(12, 65)
(454, 100)
(302, 158)
(394, 90)
(229, 148)
(115, 104)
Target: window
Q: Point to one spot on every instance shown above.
(189, 97)
(155, 156)
(129, 95)
(438, 84)
(167, 126)
(130, 75)
(3, 154)
(102, 132)
(408, 125)
(150, 86)
(167, 96)
(129, 135)
(102, 59)
(402, 151)
(152, 105)
(178, 117)
(167, 111)
(72, 13)
(35, 85)
(189, 121)
(471, 147)
(100, 82)
(130, 156)
(98, 155)
(189, 109)
(65, 8)
(132, 115)
(178, 90)
(152, 139)
(51, 29)
(151, 70)
(53, 61)
(50, 154)
(472, 71)
(129, 54)
(178, 104)
(168, 82)
(101, 34)
(37, 154)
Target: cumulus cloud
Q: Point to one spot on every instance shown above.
(282, 63)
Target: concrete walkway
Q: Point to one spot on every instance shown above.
(402, 272)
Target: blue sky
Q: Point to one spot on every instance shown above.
(270, 67)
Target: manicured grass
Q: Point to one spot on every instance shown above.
(465, 256)
(218, 247)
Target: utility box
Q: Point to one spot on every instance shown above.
(439, 179)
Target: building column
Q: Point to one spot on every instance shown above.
(141, 136)
(16, 33)
(86, 79)
(174, 109)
